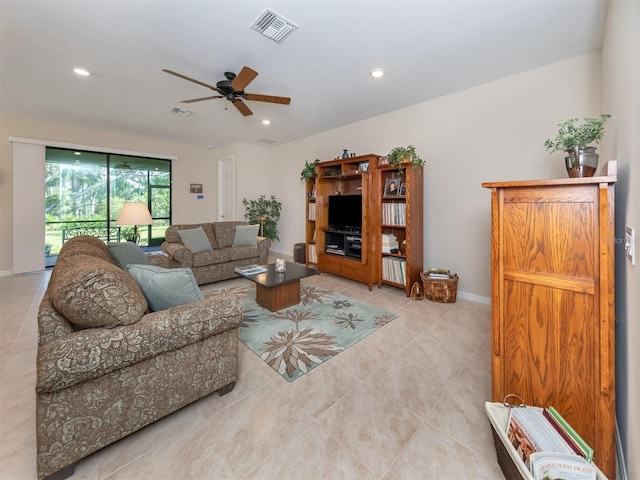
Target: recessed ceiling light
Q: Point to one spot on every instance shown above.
(266, 121)
(377, 72)
(83, 72)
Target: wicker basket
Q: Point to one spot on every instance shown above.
(439, 289)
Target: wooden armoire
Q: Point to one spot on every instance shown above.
(552, 301)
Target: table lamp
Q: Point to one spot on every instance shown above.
(134, 213)
(262, 219)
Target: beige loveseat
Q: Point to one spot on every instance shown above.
(219, 262)
(106, 367)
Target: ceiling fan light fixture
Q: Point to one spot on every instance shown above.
(377, 72)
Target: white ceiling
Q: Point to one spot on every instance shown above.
(428, 49)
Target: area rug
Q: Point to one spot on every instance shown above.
(297, 339)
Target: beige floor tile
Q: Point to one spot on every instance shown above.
(126, 450)
(417, 389)
(320, 388)
(194, 455)
(253, 374)
(461, 415)
(463, 339)
(363, 358)
(443, 359)
(371, 426)
(416, 322)
(392, 337)
(313, 454)
(251, 430)
(433, 455)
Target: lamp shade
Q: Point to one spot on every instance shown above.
(134, 213)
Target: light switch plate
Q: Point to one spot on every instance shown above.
(630, 243)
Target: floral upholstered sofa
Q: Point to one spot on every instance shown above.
(222, 247)
(107, 366)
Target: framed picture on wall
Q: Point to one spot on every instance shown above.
(195, 188)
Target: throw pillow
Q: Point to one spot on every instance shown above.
(91, 292)
(246, 236)
(125, 253)
(195, 240)
(166, 287)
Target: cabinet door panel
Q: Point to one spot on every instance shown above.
(548, 345)
(550, 238)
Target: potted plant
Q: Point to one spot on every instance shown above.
(264, 212)
(575, 139)
(309, 170)
(402, 155)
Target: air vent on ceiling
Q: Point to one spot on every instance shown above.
(268, 141)
(273, 25)
(181, 112)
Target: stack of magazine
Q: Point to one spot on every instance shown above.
(250, 269)
(549, 446)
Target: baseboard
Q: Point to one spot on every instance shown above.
(5, 273)
(472, 297)
(621, 467)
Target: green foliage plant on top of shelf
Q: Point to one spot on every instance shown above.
(401, 155)
(264, 212)
(572, 136)
(309, 170)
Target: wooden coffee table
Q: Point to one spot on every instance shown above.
(279, 290)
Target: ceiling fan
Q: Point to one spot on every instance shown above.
(233, 90)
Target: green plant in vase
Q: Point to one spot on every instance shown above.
(309, 170)
(264, 212)
(399, 156)
(576, 140)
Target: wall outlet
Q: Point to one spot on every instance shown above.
(630, 243)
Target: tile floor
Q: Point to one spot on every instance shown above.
(407, 402)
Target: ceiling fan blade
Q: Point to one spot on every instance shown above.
(184, 77)
(201, 99)
(244, 78)
(267, 98)
(240, 105)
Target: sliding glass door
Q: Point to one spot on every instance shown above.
(85, 192)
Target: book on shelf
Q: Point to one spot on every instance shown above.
(567, 432)
(394, 270)
(313, 255)
(389, 243)
(530, 430)
(558, 466)
(250, 269)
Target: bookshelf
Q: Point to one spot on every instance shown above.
(340, 252)
(360, 254)
(398, 199)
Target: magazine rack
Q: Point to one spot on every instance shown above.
(510, 463)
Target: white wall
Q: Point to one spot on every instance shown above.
(488, 133)
(621, 98)
(195, 164)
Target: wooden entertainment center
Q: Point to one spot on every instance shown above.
(353, 248)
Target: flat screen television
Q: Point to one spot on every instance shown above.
(345, 212)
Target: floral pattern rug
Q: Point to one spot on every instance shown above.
(299, 338)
